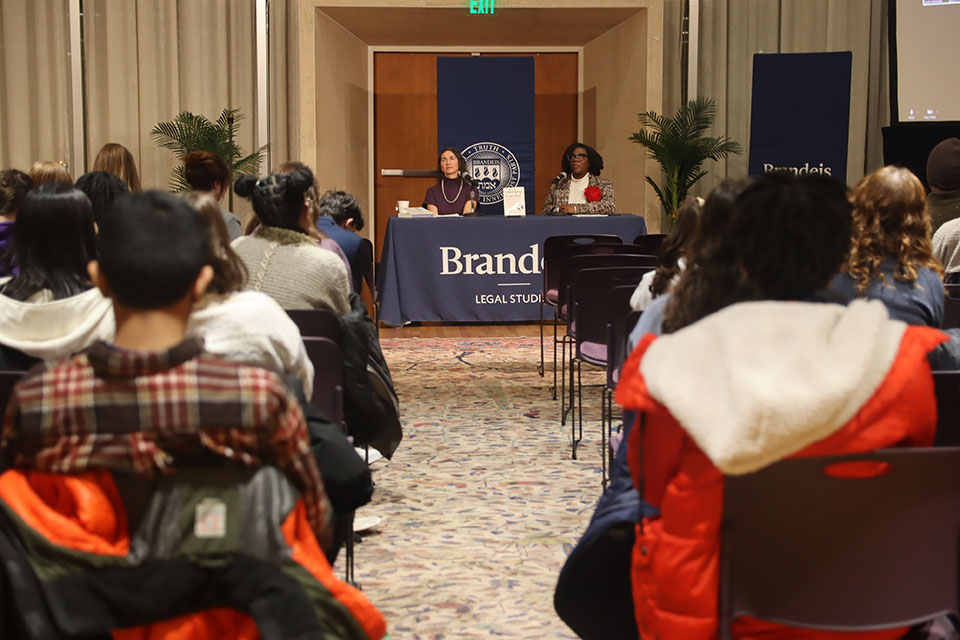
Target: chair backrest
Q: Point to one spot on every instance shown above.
(592, 260)
(8, 380)
(327, 377)
(951, 306)
(316, 323)
(366, 251)
(618, 310)
(947, 385)
(650, 242)
(551, 259)
(589, 297)
(875, 547)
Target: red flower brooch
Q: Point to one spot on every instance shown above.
(592, 194)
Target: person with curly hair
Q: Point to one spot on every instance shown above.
(580, 189)
(14, 186)
(891, 256)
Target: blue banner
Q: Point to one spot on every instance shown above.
(485, 108)
(801, 113)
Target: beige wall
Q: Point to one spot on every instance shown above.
(622, 76)
(340, 135)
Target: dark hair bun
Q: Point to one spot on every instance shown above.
(244, 186)
(299, 180)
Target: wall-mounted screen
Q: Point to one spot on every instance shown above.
(927, 48)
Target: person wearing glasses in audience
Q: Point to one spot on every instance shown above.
(454, 194)
(580, 189)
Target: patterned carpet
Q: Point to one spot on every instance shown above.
(482, 502)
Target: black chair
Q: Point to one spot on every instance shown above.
(366, 247)
(650, 243)
(589, 294)
(951, 306)
(620, 322)
(570, 268)
(807, 543)
(553, 259)
(947, 385)
(327, 378)
(316, 323)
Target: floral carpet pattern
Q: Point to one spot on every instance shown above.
(481, 503)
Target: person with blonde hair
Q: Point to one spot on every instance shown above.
(891, 256)
(118, 160)
(47, 172)
(238, 325)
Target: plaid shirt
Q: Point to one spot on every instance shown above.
(150, 412)
(559, 194)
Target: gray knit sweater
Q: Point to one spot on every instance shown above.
(289, 267)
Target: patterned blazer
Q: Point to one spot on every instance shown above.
(560, 192)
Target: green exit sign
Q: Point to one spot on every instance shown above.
(482, 6)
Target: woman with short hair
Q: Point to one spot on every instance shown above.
(891, 256)
(50, 309)
(208, 173)
(454, 194)
(283, 258)
(48, 171)
(580, 189)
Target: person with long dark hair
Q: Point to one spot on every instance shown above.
(672, 256)
(50, 309)
(283, 258)
(454, 194)
(102, 188)
(580, 189)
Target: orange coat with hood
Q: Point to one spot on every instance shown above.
(741, 389)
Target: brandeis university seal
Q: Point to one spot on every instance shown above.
(494, 167)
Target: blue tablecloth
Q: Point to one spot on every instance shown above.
(475, 269)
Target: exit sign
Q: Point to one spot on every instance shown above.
(481, 6)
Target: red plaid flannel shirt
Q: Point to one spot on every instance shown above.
(109, 408)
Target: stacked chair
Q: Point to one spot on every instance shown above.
(621, 320)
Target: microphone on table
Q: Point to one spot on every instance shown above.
(469, 178)
(473, 192)
(563, 174)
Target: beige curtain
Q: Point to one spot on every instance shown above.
(35, 102)
(147, 60)
(283, 74)
(732, 31)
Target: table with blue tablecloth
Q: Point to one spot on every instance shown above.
(486, 269)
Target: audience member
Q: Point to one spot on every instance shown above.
(14, 186)
(153, 404)
(118, 160)
(47, 171)
(891, 256)
(313, 200)
(753, 374)
(50, 309)
(943, 176)
(672, 256)
(243, 326)
(340, 216)
(102, 188)
(208, 173)
(283, 259)
(712, 226)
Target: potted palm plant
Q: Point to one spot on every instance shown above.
(189, 132)
(679, 145)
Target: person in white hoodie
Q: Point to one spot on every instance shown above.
(50, 309)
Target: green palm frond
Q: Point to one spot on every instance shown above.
(189, 132)
(679, 145)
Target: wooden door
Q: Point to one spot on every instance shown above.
(405, 124)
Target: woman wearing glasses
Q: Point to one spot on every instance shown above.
(581, 190)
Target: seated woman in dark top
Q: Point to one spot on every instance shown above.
(891, 257)
(454, 194)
